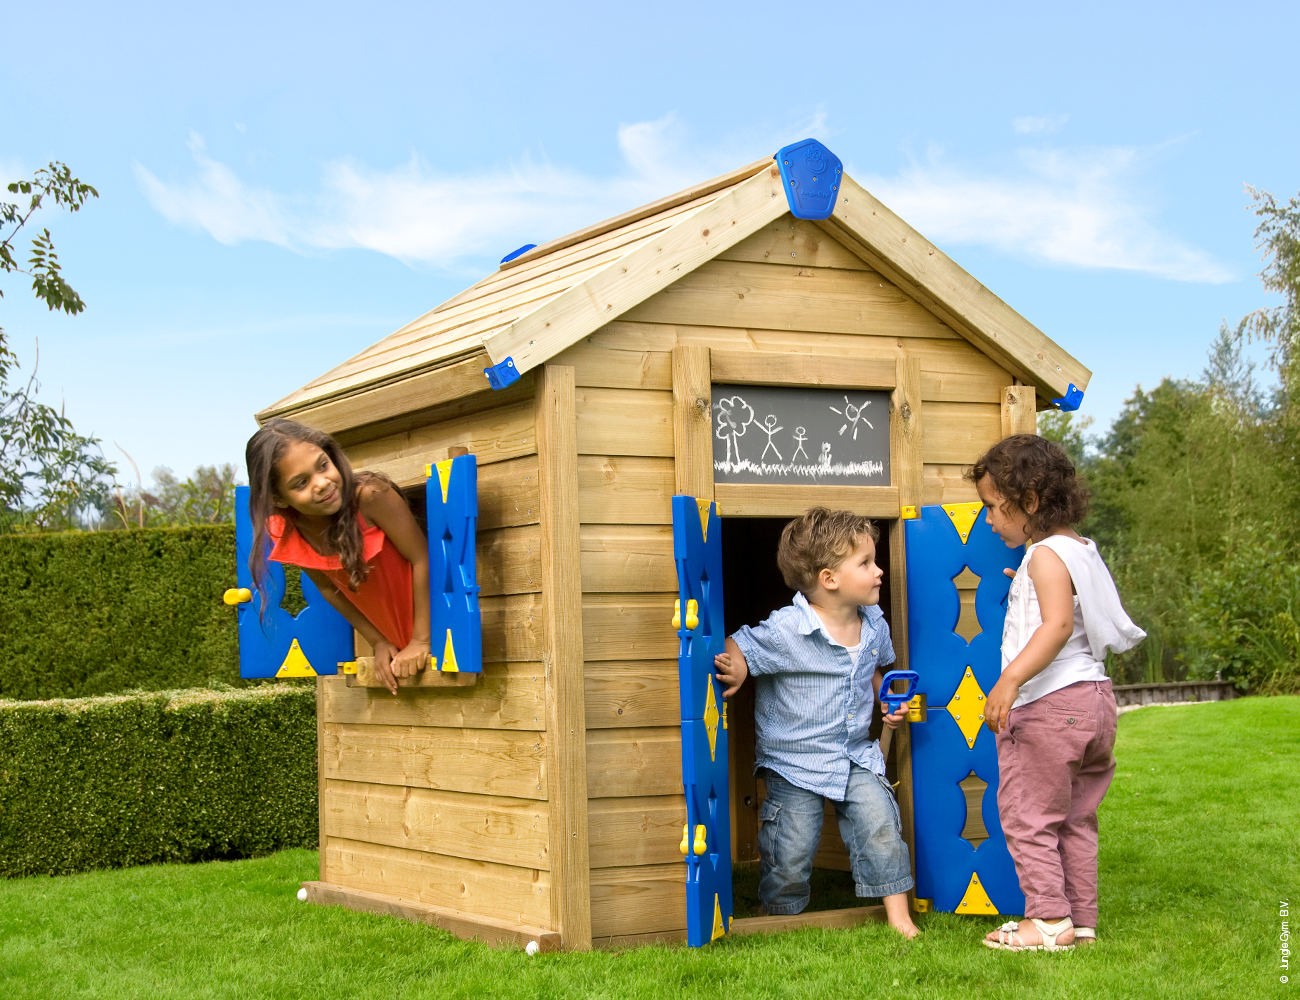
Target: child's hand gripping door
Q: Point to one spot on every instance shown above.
(280, 643)
(962, 862)
(706, 834)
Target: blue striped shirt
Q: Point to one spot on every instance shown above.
(813, 701)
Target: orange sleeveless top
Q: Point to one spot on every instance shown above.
(384, 597)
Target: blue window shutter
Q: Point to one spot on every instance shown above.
(451, 503)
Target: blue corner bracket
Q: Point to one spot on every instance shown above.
(1072, 398)
(502, 375)
(810, 174)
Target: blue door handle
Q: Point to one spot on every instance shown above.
(891, 698)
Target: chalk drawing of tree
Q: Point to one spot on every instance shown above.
(734, 415)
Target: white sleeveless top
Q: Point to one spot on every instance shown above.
(1100, 622)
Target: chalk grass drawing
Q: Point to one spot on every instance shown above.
(735, 416)
(852, 414)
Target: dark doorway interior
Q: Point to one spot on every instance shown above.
(752, 590)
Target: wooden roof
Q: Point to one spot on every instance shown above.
(537, 305)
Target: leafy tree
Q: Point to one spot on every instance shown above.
(1194, 488)
(207, 496)
(49, 474)
(1278, 239)
(1070, 431)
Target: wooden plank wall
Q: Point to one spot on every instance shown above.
(789, 289)
(439, 796)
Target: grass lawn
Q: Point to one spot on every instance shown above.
(1199, 833)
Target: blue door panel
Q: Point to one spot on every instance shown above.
(955, 676)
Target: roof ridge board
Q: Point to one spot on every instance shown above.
(918, 267)
(380, 355)
(927, 300)
(639, 229)
(604, 253)
(410, 334)
(652, 266)
(298, 399)
(513, 307)
(715, 184)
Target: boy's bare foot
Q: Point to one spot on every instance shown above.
(909, 930)
(897, 914)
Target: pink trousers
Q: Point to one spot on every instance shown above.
(1055, 761)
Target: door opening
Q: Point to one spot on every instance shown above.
(752, 590)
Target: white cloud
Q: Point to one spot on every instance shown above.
(1069, 207)
(1039, 124)
(1082, 208)
(218, 201)
(419, 214)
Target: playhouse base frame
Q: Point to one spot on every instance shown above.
(468, 926)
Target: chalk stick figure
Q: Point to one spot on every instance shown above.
(768, 426)
(800, 436)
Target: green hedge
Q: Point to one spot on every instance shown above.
(157, 777)
(90, 613)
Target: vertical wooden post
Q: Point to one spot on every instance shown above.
(908, 469)
(1019, 415)
(320, 773)
(566, 730)
(692, 422)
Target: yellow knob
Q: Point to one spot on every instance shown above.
(241, 595)
(701, 839)
(692, 613)
(683, 846)
(677, 623)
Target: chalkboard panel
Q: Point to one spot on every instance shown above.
(783, 434)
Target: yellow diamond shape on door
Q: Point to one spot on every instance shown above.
(711, 720)
(967, 707)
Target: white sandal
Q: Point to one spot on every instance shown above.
(1009, 939)
(1085, 935)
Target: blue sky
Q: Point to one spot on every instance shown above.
(282, 184)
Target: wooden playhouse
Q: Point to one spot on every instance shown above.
(545, 801)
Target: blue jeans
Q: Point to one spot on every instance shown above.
(791, 819)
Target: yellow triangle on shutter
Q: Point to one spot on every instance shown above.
(444, 476)
(719, 928)
(449, 657)
(963, 516)
(703, 506)
(295, 663)
(976, 899)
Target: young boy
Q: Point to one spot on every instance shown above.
(817, 667)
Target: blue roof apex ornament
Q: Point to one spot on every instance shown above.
(1072, 398)
(810, 174)
(501, 375)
